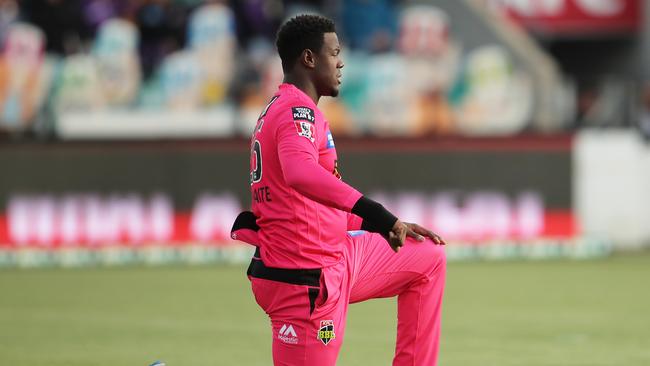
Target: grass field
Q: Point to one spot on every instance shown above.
(569, 313)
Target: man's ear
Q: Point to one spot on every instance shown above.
(308, 58)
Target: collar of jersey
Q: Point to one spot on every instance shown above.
(299, 93)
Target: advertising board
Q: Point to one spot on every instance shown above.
(173, 198)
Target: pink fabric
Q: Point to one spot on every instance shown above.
(299, 199)
(246, 235)
(354, 222)
(370, 269)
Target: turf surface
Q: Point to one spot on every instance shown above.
(565, 313)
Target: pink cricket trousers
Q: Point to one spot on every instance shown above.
(308, 308)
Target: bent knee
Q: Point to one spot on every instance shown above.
(427, 258)
(436, 255)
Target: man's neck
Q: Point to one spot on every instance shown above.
(303, 84)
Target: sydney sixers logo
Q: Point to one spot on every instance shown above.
(305, 129)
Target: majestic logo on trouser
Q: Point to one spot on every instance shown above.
(326, 331)
(287, 334)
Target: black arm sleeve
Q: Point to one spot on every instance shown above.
(376, 218)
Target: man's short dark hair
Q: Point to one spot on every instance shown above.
(300, 33)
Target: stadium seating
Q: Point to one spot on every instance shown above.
(430, 79)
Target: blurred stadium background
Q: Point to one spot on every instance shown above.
(517, 129)
(513, 128)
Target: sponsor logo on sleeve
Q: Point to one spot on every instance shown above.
(326, 331)
(303, 114)
(305, 129)
(330, 140)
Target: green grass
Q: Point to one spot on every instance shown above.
(564, 313)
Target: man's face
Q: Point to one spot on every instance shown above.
(328, 66)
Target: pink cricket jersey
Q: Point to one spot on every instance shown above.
(299, 199)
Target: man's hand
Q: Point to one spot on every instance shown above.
(401, 230)
(418, 233)
(397, 235)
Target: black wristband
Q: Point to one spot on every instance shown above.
(375, 217)
(369, 226)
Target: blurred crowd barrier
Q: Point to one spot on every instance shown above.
(415, 77)
(93, 204)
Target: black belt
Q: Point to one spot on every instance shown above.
(304, 277)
